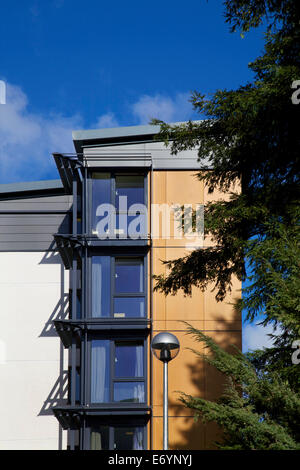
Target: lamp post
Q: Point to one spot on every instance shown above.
(165, 347)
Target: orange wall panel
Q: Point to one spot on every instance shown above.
(187, 372)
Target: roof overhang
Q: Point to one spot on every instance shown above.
(113, 136)
(31, 189)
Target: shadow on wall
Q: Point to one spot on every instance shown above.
(57, 396)
(60, 312)
(61, 309)
(59, 391)
(209, 384)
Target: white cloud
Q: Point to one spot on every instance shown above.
(106, 120)
(256, 336)
(162, 107)
(27, 140)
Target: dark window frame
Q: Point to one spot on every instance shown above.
(112, 378)
(112, 423)
(113, 175)
(113, 294)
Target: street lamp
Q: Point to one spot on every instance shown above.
(165, 347)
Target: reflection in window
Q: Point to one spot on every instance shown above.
(101, 286)
(78, 304)
(130, 186)
(100, 438)
(129, 360)
(100, 377)
(120, 438)
(128, 438)
(125, 381)
(76, 385)
(129, 276)
(133, 307)
(129, 363)
(128, 299)
(132, 225)
(129, 392)
(101, 194)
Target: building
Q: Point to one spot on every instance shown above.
(78, 308)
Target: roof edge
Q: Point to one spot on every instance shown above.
(31, 186)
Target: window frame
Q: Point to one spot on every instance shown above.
(113, 294)
(112, 423)
(113, 175)
(112, 378)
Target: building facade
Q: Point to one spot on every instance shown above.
(79, 308)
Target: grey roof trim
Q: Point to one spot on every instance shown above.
(116, 144)
(111, 133)
(111, 136)
(45, 185)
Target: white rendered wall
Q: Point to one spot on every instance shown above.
(33, 288)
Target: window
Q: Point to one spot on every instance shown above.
(100, 438)
(101, 286)
(78, 298)
(78, 303)
(131, 187)
(117, 371)
(126, 194)
(76, 385)
(121, 437)
(129, 297)
(118, 287)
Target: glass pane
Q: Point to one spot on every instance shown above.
(131, 226)
(128, 438)
(133, 307)
(100, 438)
(132, 392)
(79, 225)
(78, 305)
(129, 360)
(100, 371)
(129, 275)
(100, 286)
(101, 194)
(78, 388)
(131, 186)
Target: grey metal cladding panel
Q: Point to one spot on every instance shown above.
(54, 199)
(27, 246)
(186, 160)
(19, 237)
(118, 157)
(160, 155)
(129, 149)
(29, 206)
(166, 164)
(63, 199)
(128, 163)
(44, 185)
(34, 223)
(31, 229)
(49, 203)
(33, 232)
(45, 220)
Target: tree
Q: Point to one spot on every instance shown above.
(257, 411)
(251, 135)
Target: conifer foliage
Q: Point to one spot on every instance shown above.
(251, 136)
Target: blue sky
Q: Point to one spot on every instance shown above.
(69, 65)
